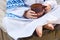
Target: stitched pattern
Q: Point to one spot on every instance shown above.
(12, 15)
(15, 3)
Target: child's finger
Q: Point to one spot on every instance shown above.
(31, 11)
(34, 14)
(32, 17)
(39, 31)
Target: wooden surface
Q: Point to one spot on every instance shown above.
(1, 38)
(4, 36)
(47, 35)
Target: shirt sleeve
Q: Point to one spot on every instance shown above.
(53, 3)
(18, 11)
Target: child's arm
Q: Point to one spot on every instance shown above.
(53, 3)
(18, 11)
(50, 4)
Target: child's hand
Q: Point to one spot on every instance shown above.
(30, 14)
(48, 8)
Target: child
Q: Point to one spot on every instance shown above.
(39, 9)
(19, 28)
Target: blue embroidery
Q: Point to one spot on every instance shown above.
(15, 3)
(12, 15)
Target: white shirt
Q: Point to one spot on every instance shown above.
(18, 29)
(21, 10)
(53, 3)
